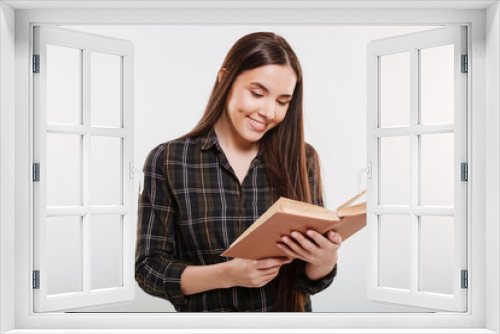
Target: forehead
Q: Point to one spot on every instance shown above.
(280, 79)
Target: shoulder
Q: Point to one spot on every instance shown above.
(174, 150)
(311, 154)
(312, 161)
(310, 151)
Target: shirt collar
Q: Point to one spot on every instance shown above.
(210, 139)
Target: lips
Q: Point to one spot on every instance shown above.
(258, 126)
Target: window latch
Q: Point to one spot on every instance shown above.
(133, 170)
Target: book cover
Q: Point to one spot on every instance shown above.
(286, 215)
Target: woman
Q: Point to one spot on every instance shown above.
(205, 188)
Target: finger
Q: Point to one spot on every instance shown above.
(303, 242)
(335, 237)
(274, 266)
(292, 254)
(318, 238)
(267, 272)
(272, 262)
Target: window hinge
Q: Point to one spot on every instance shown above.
(36, 63)
(36, 172)
(464, 171)
(36, 279)
(465, 64)
(465, 279)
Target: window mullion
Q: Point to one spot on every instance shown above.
(414, 169)
(86, 170)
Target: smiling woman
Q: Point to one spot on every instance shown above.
(205, 188)
(252, 111)
(251, 103)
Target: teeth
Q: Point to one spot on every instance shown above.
(257, 123)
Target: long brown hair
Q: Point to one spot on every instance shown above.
(283, 148)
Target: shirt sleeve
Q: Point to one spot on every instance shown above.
(303, 282)
(312, 287)
(156, 270)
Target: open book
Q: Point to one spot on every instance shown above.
(286, 215)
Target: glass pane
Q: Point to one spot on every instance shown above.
(64, 169)
(395, 170)
(437, 85)
(395, 90)
(436, 254)
(437, 169)
(64, 82)
(106, 251)
(394, 244)
(105, 170)
(64, 254)
(105, 85)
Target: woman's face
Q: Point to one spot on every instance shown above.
(258, 101)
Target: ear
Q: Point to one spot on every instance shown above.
(222, 75)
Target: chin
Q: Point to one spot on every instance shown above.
(253, 138)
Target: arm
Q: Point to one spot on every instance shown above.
(156, 270)
(196, 279)
(236, 272)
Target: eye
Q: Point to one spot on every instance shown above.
(282, 103)
(255, 94)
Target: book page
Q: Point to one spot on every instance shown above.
(307, 209)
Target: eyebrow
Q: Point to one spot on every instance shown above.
(258, 84)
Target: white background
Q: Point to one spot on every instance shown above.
(175, 69)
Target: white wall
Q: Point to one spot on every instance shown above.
(175, 69)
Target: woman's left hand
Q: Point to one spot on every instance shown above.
(321, 254)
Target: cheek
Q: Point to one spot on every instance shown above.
(244, 104)
(280, 116)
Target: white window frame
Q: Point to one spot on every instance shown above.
(484, 164)
(126, 211)
(412, 213)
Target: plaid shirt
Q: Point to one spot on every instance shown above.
(192, 208)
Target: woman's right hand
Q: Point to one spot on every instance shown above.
(254, 273)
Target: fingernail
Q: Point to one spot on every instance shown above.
(310, 233)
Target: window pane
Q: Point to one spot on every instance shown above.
(436, 252)
(105, 83)
(395, 170)
(437, 171)
(64, 169)
(394, 244)
(64, 81)
(437, 85)
(106, 249)
(395, 90)
(106, 171)
(64, 254)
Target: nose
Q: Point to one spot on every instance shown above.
(267, 110)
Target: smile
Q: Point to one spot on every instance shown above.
(257, 123)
